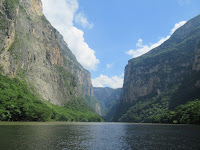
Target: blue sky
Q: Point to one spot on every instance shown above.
(105, 34)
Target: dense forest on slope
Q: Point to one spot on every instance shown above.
(187, 114)
(157, 109)
(17, 103)
(158, 82)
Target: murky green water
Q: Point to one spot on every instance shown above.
(97, 136)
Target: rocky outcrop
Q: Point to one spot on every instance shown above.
(176, 60)
(196, 63)
(31, 49)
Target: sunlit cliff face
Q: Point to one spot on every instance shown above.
(37, 7)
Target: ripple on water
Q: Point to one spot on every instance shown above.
(97, 136)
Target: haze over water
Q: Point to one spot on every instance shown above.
(98, 136)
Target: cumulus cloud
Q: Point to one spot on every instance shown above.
(104, 81)
(61, 14)
(142, 49)
(82, 20)
(176, 26)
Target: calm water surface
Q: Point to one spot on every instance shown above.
(98, 136)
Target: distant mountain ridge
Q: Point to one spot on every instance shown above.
(109, 99)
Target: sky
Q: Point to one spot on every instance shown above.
(105, 34)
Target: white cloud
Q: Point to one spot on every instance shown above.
(108, 66)
(61, 14)
(104, 81)
(145, 48)
(176, 26)
(142, 49)
(82, 20)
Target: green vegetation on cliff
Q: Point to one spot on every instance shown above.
(187, 114)
(146, 108)
(17, 103)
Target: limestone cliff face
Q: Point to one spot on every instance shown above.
(172, 63)
(31, 49)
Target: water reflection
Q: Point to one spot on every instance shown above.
(163, 137)
(98, 136)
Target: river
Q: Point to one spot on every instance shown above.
(97, 136)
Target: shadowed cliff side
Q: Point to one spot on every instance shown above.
(109, 100)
